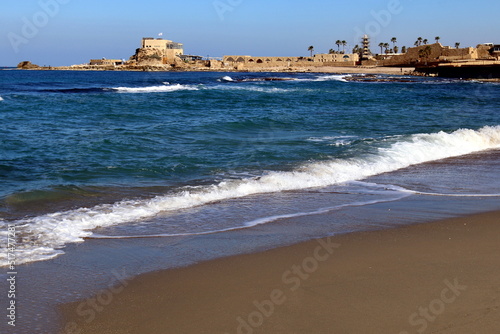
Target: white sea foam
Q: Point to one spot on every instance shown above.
(1, 98)
(256, 222)
(333, 77)
(227, 78)
(155, 89)
(252, 88)
(44, 235)
(329, 77)
(335, 141)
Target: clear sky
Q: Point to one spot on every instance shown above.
(66, 32)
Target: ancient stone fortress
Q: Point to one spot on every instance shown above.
(162, 53)
(157, 52)
(248, 62)
(437, 53)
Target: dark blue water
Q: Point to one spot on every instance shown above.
(86, 150)
(139, 171)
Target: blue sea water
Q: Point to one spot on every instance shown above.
(125, 154)
(138, 171)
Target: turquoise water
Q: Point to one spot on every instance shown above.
(119, 154)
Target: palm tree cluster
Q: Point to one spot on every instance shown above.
(424, 41)
(421, 41)
(425, 53)
(385, 47)
(339, 43)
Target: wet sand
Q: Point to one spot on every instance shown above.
(440, 277)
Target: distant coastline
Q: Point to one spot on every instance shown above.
(481, 62)
(479, 73)
(149, 68)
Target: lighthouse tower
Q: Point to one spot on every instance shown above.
(367, 54)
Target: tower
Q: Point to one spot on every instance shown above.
(366, 47)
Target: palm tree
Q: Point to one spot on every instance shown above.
(311, 49)
(344, 43)
(396, 49)
(416, 43)
(338, 42)
(355, 49)
(419, 40)
(386, 46)
(437, 38)
(403, 49)
(428, 51)
(394, 40)
(332, 51)
(457, 45)
(425, 53)
(425, 41)
(381, 45)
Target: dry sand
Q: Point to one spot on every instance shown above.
(441, 277)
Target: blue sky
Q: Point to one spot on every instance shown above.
(65, 32)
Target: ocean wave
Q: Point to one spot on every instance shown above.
(257, 79)
(252, 88)
(256, 222)
(44, 236)
(330, 77)
(155, 89)
(335, 140)
(226, 78)
(334, 77)
(1, 98)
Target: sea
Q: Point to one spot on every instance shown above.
(111, 174)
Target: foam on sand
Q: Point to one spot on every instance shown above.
(44, 235)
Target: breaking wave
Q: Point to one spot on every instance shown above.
(335, 141)
(44, 236)
(227, 78)
(257, 222)
(330, 77)
(155, 89)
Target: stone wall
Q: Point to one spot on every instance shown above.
(106, 62)
(319, 60)
(437, 53)
(152, 56)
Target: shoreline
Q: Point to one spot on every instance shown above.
(370, 70)
(325, 69)
(384, 280)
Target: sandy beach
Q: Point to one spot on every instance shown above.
(439, 277)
